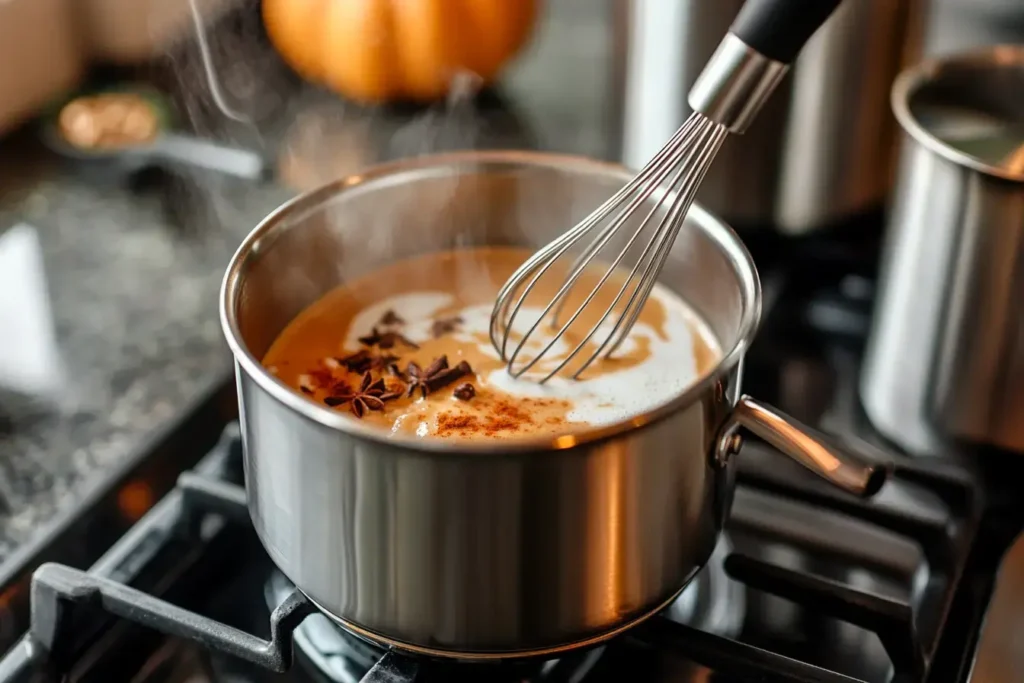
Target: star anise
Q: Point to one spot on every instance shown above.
(443, 326)
(382, 362)
(364, 360)
(358, 361)
(387, 339)
(435, 376)
(390, 319)
(370, 395)
(418, 377)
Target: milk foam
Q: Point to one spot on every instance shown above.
(608, 398)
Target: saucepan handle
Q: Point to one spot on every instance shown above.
(807, 446)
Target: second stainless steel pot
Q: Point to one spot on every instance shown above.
(945, 358)
(494, 548)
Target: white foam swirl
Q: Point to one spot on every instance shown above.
(610, 397)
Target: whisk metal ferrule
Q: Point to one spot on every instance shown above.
(735, 84)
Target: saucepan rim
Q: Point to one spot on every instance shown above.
(267, 230)
(916, 77)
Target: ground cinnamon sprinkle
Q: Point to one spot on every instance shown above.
(495, 425)
(498, 416)
(509, 411)
(448, 423)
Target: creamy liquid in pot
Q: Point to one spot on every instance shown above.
(441, 303)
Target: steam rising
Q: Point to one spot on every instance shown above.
(212, 80)
(238, 90)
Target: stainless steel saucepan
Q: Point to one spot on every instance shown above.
(493, 549)
(945, 359)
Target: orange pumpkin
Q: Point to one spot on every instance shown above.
(387, 50)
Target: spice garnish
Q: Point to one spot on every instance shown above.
(383, 361)
(369, 396)
(464, 391)
(386, 340)
(341, 388)
(320, 377)
(418, 377)
(358, 361)
(443, 326)
(364, 360)
(435, 376)
(390, 318)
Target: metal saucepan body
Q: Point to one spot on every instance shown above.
(496, 548)
(945, 359)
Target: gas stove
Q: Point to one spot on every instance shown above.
(806, 585)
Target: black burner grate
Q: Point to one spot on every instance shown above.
(70, 607)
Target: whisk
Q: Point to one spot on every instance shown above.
(735, 83)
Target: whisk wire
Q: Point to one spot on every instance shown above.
(663, 233)
(555, 250)
(668, 153)
(661, 171)
(662, 241)
(505, 296)
(673, 153)
(649, 277)
(685, 160)
(730, 91)
(516, 280)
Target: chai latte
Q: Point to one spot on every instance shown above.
(407, 348)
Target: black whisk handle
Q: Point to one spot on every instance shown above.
(778, 29)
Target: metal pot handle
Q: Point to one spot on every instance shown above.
(807, 446)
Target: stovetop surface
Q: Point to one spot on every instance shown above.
(793, 593)
(807, 584)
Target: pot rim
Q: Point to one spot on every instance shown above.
(914, 78)
(266, 231)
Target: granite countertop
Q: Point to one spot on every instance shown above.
(108, 290)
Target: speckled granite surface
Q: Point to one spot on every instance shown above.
(131, 334)
(133, 311)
